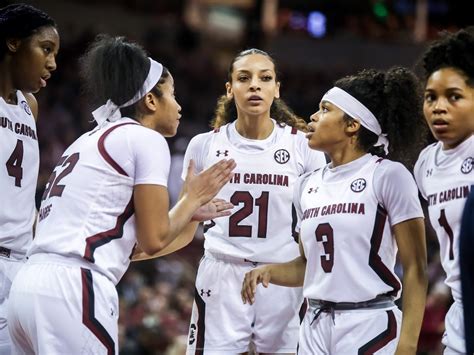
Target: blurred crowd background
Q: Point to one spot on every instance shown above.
(313, 41)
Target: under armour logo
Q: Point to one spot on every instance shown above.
(207, 293)
(225, 153)
(467, 164)
(429, 172)
(311, 190)
(192, 333)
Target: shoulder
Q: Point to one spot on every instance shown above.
(201, 140)
(393, 173)
(422, 160)
(425, 154)
(31, 100)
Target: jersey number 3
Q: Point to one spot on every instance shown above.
(325, 235)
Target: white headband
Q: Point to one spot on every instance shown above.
(111, 111)
(354, 108)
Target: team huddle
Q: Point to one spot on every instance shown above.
(319, 213)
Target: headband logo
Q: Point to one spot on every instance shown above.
(358, 185)
(281, 156)
(467, 164)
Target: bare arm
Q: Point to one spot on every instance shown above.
(155, 228)
(290, 274)
(410, 236)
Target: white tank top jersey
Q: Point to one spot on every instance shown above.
(444, 178)
(260, 227)
(18, 174)
(345, 218)
(87, 208)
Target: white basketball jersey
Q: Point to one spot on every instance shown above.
(19, 164)
(87, 207)
(444, 179)
(347, 238)
(260, 227)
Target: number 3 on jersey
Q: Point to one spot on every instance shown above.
(325, 235)
(245, 198)
(53, 188)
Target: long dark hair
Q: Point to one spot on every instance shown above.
(115, 68)
(226, 111)
(394, 97)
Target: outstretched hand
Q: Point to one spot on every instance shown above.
(204, 186)
(251, 280)
(213, 209)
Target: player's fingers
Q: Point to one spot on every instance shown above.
(223, 214)
(190, 171)
(224, 206)
(244, 291)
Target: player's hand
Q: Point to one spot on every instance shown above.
(251, 280)
(204, 187)
(214, 209)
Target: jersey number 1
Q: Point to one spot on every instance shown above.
(443, 222)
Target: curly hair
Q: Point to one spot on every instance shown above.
(20, 21)
(226, 110)
(454, 50)
(115, 68)
(394, 97)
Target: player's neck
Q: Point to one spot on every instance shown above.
(6, 88)
(254, 128)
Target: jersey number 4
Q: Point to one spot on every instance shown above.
(53, 187)
(13, 163)
(244, 197)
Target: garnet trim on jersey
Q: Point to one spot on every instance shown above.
(99, 239)
(375, 261)
(88, 313)
(383, 338)
(201, 324)
(106, 155)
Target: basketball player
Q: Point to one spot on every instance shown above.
(353, 216)
(30, 43)
(107, 194)
(444, 169)
(466, 261)
(254, 127)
